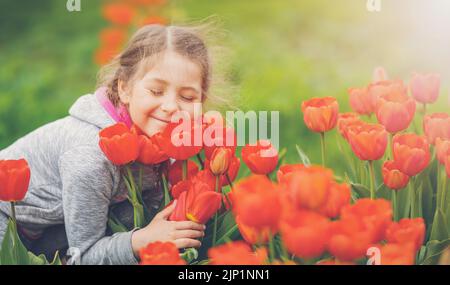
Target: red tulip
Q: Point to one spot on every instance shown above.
(395, 110)
(176, 171)
(381, 88)
(397, 254)
(392, 177)
(179, 141)
(197, 204)
(407, 231)
(338, 196)
(257, 194)
(305, 233)
(435, 126)
(286, 169)
(425, 87)
(308, 188)
(368, 141)
(361, 101)
(349, 239)
(236, 253)
(119, 144)
(220, 161)
(442, 150)
(320, 114)
(179, 188)
(149, 151)
(345, 120)
(215, 137)
(113, 37)
(205, 176)
(232, 171)
(375, 215)
(411, 153)
(14, 180)
(160, 253)
(261, 158)
(118, 13)
(253, 235)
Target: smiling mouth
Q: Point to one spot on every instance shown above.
(161, 120)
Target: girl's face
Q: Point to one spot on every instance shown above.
(172, 84)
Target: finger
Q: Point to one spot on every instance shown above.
(187, 242)
(188, 225)
(165, 213)
(188, 234)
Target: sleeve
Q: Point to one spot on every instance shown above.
(87, 187)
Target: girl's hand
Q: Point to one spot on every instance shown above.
(182, 234)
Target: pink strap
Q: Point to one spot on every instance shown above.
(119, 114)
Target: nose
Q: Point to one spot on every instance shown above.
(169, 104)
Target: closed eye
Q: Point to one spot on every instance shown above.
(187, 98)
(156, 92)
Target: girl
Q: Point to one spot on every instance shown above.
(162, 70)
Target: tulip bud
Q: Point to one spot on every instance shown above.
(220, 161)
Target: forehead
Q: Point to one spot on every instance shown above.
(173, 68)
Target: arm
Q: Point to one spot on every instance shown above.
(87, 181)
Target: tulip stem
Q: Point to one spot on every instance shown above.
(322, 144)
(438, 184)
(184, 169)
(13, 211)
(391, 146)
(215, 215)
(443, 194)
(413, 197)
(200, 161)
(271, 247)
(372, 180)
(395, 205)
(229, 181)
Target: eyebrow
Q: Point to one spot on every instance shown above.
(159, 80)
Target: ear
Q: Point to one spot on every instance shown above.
(123, 95)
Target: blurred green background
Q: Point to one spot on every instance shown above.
(283, 53)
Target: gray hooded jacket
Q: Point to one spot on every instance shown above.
(73, 183)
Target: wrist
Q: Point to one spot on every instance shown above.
(137, 242)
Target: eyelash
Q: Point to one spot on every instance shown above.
(156, 93)
(189, 99)
(160, 93)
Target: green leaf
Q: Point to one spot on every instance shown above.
(434, 249)
(404, 203)
(303, 157)
(115, 225)
(360, 190)
(383, 192)
(439, 229)
(189, 255)
(13, 252)
(166, 191)
(427, 202)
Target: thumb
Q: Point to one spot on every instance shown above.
(165, 213)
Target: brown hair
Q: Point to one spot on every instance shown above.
(147, 44)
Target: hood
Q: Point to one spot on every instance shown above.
(87, 108)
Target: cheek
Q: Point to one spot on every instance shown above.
(194, 109)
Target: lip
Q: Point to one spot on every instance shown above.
(161, 120)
